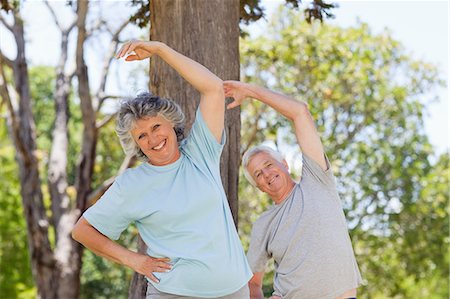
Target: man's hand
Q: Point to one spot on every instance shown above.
(238, 91)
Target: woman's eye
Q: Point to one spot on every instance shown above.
(141, 136)
(156, 126)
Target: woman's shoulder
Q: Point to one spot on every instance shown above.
(131, 175)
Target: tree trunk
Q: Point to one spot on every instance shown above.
(55, 271)
(207, 32)
(22, 130)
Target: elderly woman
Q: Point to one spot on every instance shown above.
(175, 198)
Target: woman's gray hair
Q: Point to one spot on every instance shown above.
(256, 150)
(143, 106)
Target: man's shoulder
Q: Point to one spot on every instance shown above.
(265, 219)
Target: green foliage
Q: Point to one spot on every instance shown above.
(16, 278)
(368, 99)
(8, 5)
(109, 154)
(102, 279)
(249, 10)
(15, 275)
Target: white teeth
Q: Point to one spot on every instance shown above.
(159, 146)
(272, 179)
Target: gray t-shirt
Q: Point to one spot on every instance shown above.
(307, 237)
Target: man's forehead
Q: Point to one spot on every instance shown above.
(260, 159)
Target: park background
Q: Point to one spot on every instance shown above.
(376, 80)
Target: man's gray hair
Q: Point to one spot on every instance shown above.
(248, 155)
(143, 106)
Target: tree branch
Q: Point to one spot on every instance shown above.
(105, 97)
(4, 92)
(100, 190)
(52, 12)
(24, 137)
(5, 23)
(105, 120)
(6, 61)
(105, 71)
(85, 165)
(97, 26)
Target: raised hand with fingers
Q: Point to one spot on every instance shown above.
(138, 50)
(238, 91)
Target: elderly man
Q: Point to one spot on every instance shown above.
(305, 231)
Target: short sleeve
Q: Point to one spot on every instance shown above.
(201, 143)
(108, 214)
(312, 168)
(257, 254)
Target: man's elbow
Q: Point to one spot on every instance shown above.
(302, 108)
(301, 111)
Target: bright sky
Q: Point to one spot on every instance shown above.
(422, 26)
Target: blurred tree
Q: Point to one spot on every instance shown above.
(15, 277)
(57, 183)
(368, 98)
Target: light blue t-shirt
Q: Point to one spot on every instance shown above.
(181, 212)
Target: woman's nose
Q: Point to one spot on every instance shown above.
(150, 139)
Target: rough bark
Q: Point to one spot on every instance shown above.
(208, 32)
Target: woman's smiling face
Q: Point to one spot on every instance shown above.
(156, 138)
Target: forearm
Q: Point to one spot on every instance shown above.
(255, 286)
(287, 106)
(102, 245)
(297, 111)
(256, 292)
(196, 74)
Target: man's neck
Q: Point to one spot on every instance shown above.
(284, 193)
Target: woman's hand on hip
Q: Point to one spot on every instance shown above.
(146, 265)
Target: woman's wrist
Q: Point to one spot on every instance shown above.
(160, 48)
(128, 259)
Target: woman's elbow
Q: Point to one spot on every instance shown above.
(77, 230)
(215, 87)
